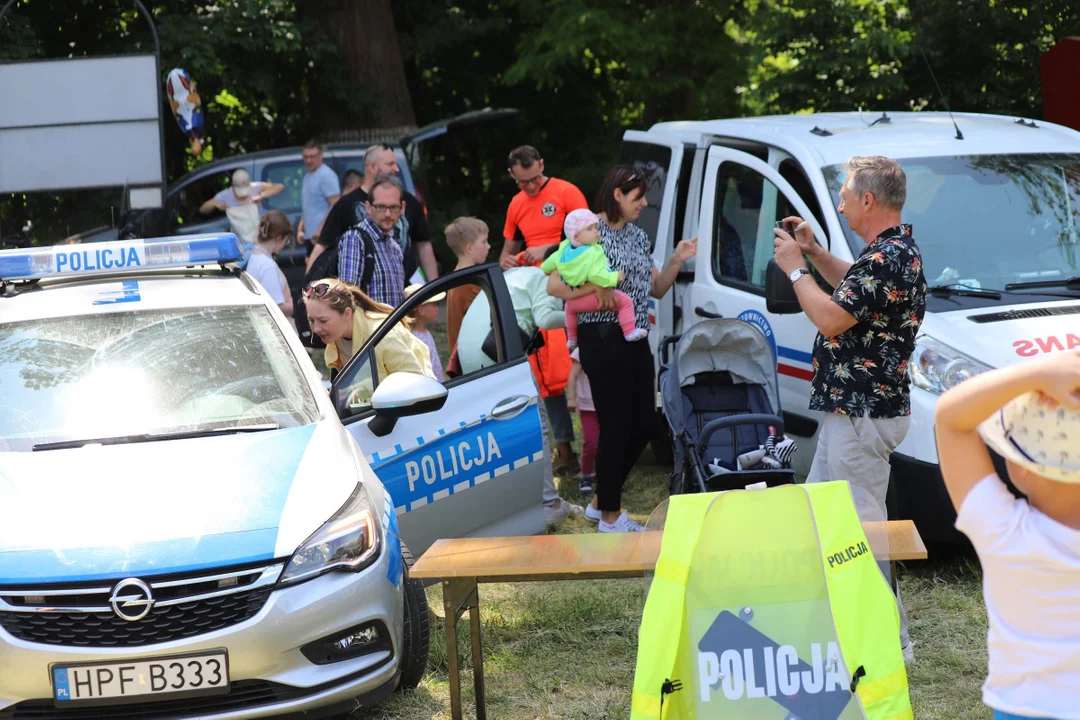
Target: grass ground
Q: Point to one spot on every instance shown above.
(568, 649)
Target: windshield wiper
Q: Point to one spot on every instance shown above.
(153, 437)
(965, 290)
(1072, 283)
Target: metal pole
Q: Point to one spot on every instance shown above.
(157, 86)
(3, 12)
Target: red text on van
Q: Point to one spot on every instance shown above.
(1031, 348)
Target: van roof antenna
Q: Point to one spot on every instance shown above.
(944, 101)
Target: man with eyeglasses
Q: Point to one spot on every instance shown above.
(535, 216)
(319, 191)
(414, 236)
(369, 254)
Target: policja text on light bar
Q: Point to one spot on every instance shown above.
(119, 256)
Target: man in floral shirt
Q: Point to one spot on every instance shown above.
(866, 333)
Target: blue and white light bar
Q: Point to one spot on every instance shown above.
(120, 256)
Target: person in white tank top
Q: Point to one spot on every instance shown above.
(275, 231)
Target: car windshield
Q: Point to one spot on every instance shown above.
(989, 220)
(157, 372)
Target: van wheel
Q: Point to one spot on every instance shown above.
(414, 651)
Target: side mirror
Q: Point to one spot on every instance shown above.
(780, 297)
(402, 394)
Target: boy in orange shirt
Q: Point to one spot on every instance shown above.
(468, 238)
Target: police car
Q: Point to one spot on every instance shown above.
(190, 526)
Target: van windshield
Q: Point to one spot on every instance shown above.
(156, 372)
(988, 220)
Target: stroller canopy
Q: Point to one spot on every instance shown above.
(726, 344)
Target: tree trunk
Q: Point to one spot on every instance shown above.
(365, 32)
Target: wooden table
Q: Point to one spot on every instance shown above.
(464, 563)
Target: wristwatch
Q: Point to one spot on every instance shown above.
(797, 273)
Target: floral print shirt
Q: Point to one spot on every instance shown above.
(864, 370)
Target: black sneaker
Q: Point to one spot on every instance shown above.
(586, 484)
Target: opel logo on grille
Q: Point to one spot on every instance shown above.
(131, 599)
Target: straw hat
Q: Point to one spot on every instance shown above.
(1041, 439)
(416, 286)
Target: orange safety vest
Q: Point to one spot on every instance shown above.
(551, 364)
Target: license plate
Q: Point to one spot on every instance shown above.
(204, 673)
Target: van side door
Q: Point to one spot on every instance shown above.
(742, 200)
(475, 466)
(667, 163)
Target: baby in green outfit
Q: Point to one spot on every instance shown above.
(580, 259)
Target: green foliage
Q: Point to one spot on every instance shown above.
(580, 72)
(826, 55)
(261, 72)
(822, 55)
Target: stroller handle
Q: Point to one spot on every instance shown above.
(749, 419)
(665, 348)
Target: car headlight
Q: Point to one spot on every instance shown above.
(936, 367)
(348, 541)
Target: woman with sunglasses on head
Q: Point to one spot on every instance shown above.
(621, 373)
(344, 318)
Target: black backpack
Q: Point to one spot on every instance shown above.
(326, 266)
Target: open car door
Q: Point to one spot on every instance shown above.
(461, 459)
(411, 143)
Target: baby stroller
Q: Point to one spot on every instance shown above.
(720, 396)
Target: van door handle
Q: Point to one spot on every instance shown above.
(510, 407)
(707, 313)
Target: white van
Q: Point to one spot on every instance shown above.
(995, 204)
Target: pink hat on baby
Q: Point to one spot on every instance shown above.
(578, 219)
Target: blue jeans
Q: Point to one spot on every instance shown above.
(562, 425)
(998, 715)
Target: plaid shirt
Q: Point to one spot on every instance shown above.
(388, 279)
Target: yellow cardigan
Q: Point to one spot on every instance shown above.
(398, 351)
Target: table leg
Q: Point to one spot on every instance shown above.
(478, 658)
(459, 595)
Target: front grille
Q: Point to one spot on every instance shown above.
(108, 630)
(243, 694)
(1024, 314)
(77, 616)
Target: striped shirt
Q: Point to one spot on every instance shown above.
(628, 250)
(388, 278)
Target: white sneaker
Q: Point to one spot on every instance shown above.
(623, 524)
(556, 512)
(592, 514)
(909, 654)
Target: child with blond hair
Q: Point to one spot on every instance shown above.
(468, 238)
(1029, 547)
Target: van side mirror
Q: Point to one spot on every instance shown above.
(780, 297)
(402, 394)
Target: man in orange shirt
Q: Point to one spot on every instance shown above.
(535, 217)
(536, 214)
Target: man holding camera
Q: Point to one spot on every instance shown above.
(866, 332)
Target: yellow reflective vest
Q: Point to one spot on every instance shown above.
(767, 604)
